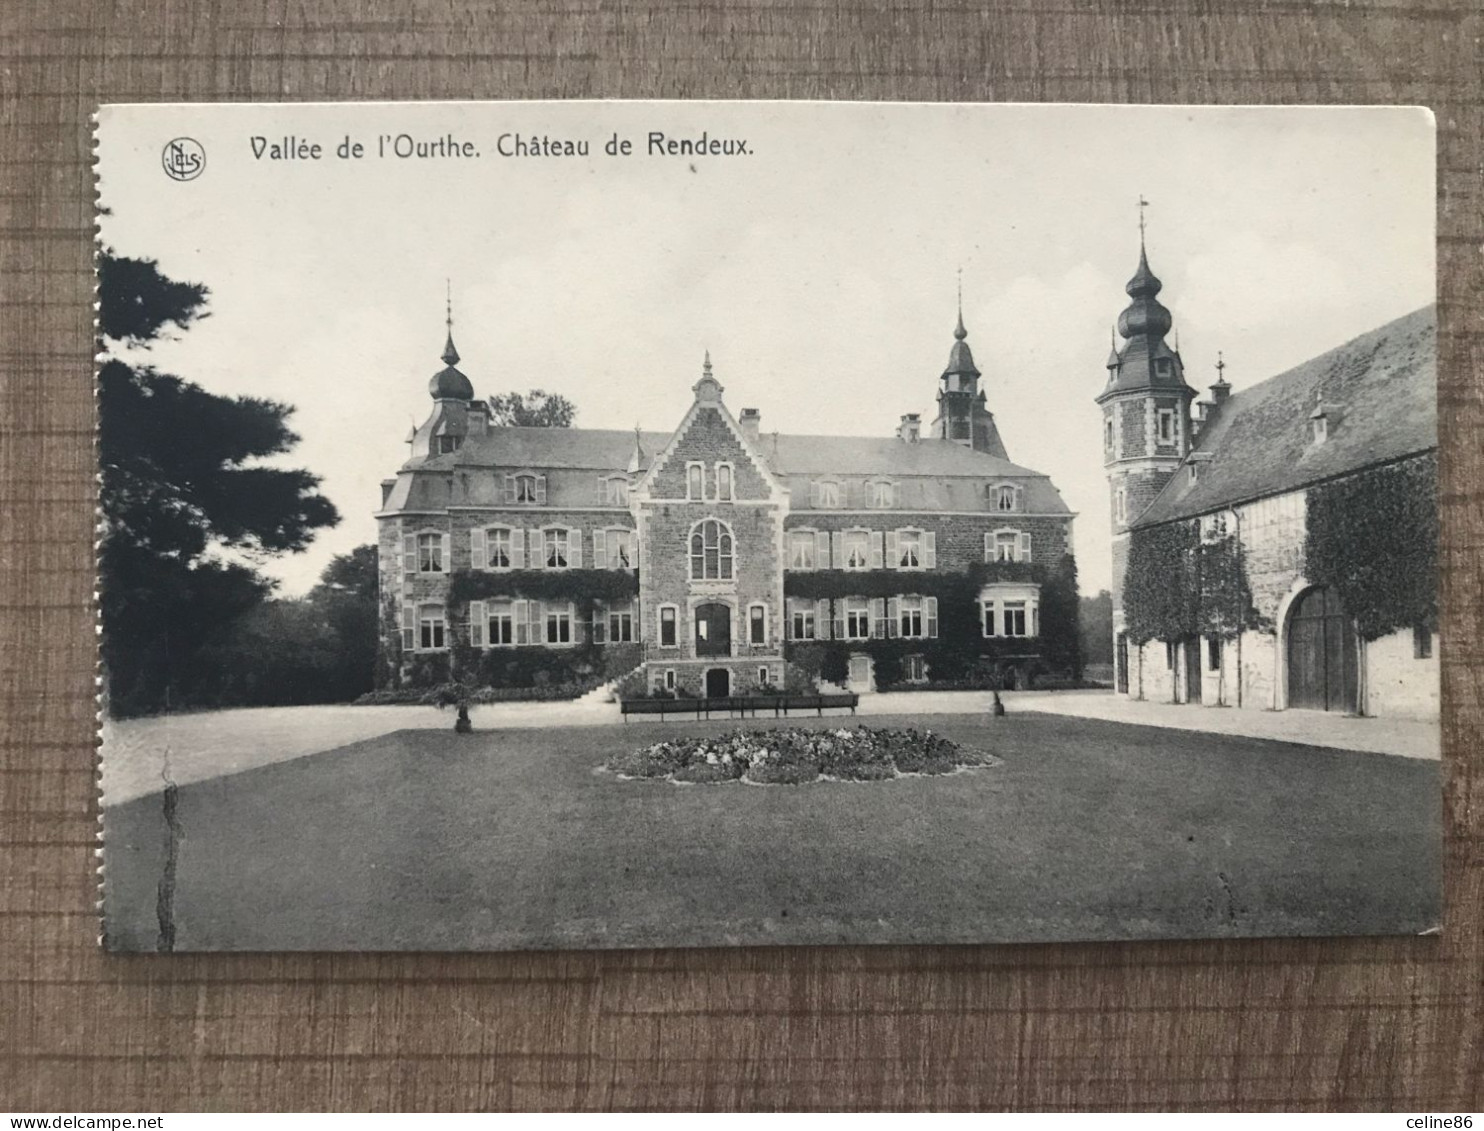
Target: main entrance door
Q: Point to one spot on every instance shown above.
(718, 683)
(713, 630)
(1323, 659)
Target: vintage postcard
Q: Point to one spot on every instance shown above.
(607, 524)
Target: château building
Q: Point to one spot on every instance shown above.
(1275, 547)
(719, 558)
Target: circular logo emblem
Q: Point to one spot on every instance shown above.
(183, 159)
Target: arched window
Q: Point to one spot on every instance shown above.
(711, 551)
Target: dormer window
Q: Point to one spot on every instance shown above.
(826, 494)
(880, 493)
(1320, 429)
(447, 444)
(530, 489)
(616, 491)
(1162, 367)
(1005, 497)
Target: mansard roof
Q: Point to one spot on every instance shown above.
(1383, 385)
(795, 457)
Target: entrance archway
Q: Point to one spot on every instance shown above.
(1322, 653)
(713, 629)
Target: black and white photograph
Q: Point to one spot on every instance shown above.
(654, 524)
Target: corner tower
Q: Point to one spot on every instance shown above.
(1146, 402)
(963, 415)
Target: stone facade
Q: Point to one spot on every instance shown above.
(704, 514)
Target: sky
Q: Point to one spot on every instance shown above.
(819, 268)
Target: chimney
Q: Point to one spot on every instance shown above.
(1220, 391)
(909, 431)
(752, 422)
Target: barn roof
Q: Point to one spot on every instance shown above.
(1379, 392)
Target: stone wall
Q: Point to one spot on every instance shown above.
(1398, 683)
(709, 440)
(960, 538)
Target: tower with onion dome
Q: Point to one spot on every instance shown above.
(456, 413)
(963, 415)
(1146, 402)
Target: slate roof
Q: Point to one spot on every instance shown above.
(799, 458)
(1385, 383)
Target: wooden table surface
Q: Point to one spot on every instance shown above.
(1384, 1023)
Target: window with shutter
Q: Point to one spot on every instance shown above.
(409, 553)
(574, 543)
(447, 543)
(517, 549)
(822, 550)
(930, 550)
(409, 627)
(1025, 547)
(476, 549)
(476, 624)
(535, 550)
(878, 550)
(600, 549)
(822, 618)
(540, 490)
(498, 550)
(521, 615)
(893, 540)
(801, 547)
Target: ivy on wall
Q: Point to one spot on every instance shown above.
(961, 649)
(580, 586)
(1373, 537)
(1176, 585)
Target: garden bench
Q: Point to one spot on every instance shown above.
(738, 705)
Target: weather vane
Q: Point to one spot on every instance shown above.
(1143, 204)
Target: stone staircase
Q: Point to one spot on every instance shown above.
(604, 693)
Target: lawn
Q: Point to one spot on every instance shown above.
(510, 839)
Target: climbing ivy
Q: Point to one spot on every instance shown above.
(1373, 537)
(581, 586)
(961, 645)
(1177, 584)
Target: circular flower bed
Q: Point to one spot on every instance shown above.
(794, 755)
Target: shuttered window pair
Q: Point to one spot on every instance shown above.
(1005, 497)
(497, 624)
(808, 620)
(525, 489)
(808, 549)
(1007, 546)
(825, 494)
(497, 548)
(613, 549)
(426, 552)
(911, 549)
(424, 628)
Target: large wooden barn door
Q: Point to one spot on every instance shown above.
(1322, 659)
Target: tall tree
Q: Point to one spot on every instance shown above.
(536, 409)
(181, 482)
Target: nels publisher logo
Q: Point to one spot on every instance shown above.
(183, 159)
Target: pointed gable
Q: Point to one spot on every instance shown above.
(710, 435)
